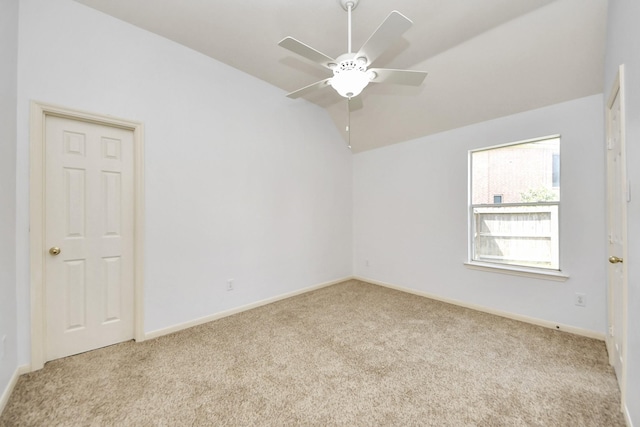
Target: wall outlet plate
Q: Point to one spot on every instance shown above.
(580, 299)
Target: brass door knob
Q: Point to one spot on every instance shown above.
(54, 250)
(614, 259)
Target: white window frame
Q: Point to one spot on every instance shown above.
(552, 273)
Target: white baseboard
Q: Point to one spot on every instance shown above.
(22, 369)
(519, 317)
(175, 328)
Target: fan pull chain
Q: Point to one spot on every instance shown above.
(348, 129)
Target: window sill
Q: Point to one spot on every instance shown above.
(554, 275)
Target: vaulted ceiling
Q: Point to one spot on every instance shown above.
(485, 59)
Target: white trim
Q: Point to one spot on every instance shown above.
(471, 224)
(524, 141)
(6, 394)
(532, 320)
(39, 111)
(191, 323)
(554, 275)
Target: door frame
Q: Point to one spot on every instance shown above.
(618, 88)
(38, 115)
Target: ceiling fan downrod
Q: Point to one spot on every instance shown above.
(349, 5)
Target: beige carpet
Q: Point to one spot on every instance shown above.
(352, 354)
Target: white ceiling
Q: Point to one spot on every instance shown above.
(485, 58)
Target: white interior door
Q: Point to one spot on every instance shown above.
(89, 217)
(617, 190)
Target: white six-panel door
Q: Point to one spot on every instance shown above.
(89, 217)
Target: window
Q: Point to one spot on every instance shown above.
(514, 202)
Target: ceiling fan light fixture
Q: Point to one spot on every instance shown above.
(349, 78)
(349, 83)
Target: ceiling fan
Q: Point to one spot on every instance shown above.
(350, 70)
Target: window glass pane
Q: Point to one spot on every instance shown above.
(521, 173)
(517, 235)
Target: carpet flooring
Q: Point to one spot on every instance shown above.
(352, 354)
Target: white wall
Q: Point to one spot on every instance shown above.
(241, 182)
(623, 47)
(8, 91)
(410, 216)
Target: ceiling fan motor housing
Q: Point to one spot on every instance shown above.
(350, 64)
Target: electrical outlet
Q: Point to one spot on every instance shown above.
(2, 345)
(366, 263)
(230, 284)
(580, 300)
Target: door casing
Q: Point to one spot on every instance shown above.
(37, 186)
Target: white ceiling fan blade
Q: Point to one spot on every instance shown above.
(401, 77)
(391, 29)
(308, 89)
(306, 51)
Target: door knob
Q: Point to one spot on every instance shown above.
(614, 259)
(54, 250)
